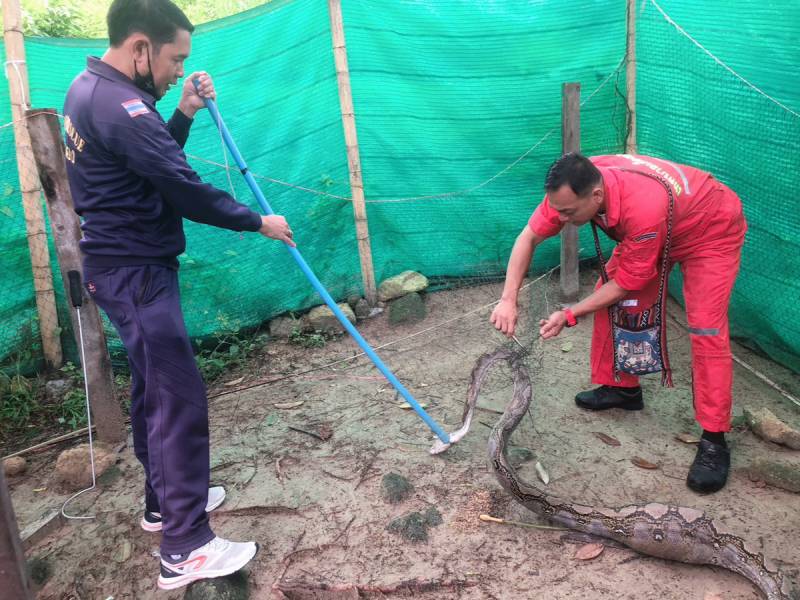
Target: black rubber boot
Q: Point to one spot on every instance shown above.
(709, 471)
(607, 396)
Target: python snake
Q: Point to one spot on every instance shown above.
(673, 532)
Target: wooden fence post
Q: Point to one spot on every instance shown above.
(48, 150)
(570, 142)
(17, 73)
(351, 142)
(630, 78)
(13, 571)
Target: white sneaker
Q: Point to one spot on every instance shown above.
(151, 521)
(217, 558)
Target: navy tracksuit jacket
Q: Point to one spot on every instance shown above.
(132, 186)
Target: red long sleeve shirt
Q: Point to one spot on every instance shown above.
(636, 213)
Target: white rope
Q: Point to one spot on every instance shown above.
(720, 62)
(89, 420)
(15, 64)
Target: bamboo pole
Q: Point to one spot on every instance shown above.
(13, 572)
(17, 74)
(48, 150)
(351, 142)
(570, 142)
(630, 78)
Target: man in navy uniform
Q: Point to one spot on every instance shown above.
(132, 186)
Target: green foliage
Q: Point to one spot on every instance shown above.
(17, 400)
(227, 349)
(315, 339)
(87, 18)
(71, 411)
(58, 18)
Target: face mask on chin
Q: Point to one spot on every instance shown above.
(146, 83)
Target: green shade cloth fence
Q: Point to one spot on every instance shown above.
(458, 108)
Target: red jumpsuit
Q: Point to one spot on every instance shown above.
(708, 229)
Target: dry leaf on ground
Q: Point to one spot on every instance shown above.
(589, 551)
(406, 405)
(607, 439)
(287, 405)
(540, 471)
(643, 464)
(687, 438)
(234, 382)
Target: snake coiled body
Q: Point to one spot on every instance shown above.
(672, 532)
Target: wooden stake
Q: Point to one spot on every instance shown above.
(570, 142)
(13, 572)
(353, 157)
(48, 150)
(630, 78)
(17, 74)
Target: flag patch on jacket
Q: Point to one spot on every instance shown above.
(646, 236)
(135, 107)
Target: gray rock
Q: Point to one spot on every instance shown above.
(362, 309)
(769, 427)
(408, 309)
(321, 318)
(282, 327)
(230, 587)
(16, 465)
(777, 474)
(406, 282)
(353, 299)
(56, 389)
(395, 488)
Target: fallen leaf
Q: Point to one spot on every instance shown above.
(712, 596)
(566, 346)
(235, 381)
(607, 439)
(324, 432)
(406, 405)
(542, 473)
(642, 463)
(589, 551)
(687, 438)
(287, 405)
(39, 489)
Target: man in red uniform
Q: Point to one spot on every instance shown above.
(620, 195)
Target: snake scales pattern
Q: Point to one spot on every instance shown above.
(665, 531)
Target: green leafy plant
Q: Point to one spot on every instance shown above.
(17, 400)
(314, 339)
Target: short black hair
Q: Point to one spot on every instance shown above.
(157, 19)
(573, 169)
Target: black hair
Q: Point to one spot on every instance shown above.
(573, 169)
(157, 19)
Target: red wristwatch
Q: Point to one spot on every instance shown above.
(571, 320)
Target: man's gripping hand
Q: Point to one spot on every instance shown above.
(504, 317)
(276, 227)
(191, 97)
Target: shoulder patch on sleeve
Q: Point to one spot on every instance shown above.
(645, 236)
(135, 107)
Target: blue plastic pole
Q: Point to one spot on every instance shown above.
(440, 433)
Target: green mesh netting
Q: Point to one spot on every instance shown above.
(458, 113)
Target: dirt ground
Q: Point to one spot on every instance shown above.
(317, 507)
